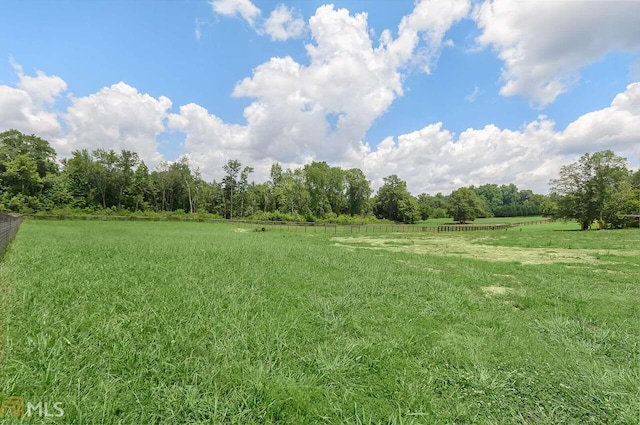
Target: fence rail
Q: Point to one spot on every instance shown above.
(307, 227)
(8, 228)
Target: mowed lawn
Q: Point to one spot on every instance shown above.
(180, 323)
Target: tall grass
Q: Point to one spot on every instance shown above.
(206, 323)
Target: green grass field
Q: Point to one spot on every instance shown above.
(180, 323)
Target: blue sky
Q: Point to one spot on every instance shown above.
(573, 59)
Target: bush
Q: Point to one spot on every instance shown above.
(276, 216)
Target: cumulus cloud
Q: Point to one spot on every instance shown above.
(430, 19)
(210, 142)
(283, 25)
(433, 159)
(116, 117)
(324, 109)
(243, 8)
(28, 106)
(616, 127)
(544, 44)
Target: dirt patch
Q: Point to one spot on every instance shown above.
(241, 230)
(473, 248)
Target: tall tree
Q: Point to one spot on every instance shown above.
(126, 163)
(317, 179)
(104, 173)
(140, 185)
(80, 178)
(230, 181)
(243, 188)
(358, 191)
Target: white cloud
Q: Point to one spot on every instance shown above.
(282, 25)
(210, 142)
(19, 111)
(42, 87)
(245, 8)
(431, 19)
(28, 107)
(323, 109)
(116, 117)
(433, 159)
(616, 127)
(544, 44)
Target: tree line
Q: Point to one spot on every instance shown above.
(33, 179)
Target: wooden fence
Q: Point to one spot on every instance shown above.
(307, 227)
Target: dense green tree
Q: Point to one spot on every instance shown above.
(21, 175)
(14, 143)
(424, 206)
(509, 194)
(317, 181)
(635, 179)
(358, 191)
(296, 196)
(595, 188)
(27, 164)
(394, 202)
(465, 205)
(78, 171)
(492, 195)
(30, 180)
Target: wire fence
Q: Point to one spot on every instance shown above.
(307, 227)
(8, 228)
